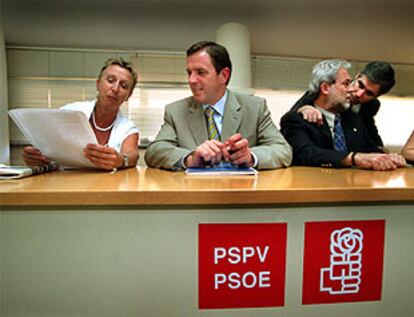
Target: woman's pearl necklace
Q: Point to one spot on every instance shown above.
(98, 127)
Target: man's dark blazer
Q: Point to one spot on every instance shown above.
(313, 145)
(367, 112)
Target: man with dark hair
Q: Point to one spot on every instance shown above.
(379, 73)
(342, 140)
(216, 124)
(375, 79)
(218, 54)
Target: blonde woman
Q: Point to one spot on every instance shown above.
(117, 136)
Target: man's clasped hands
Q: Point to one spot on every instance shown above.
(211, 152)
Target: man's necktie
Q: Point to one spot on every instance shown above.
(213, 133)
(339, 137)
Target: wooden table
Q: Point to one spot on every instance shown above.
(89, 243)
(147, 187)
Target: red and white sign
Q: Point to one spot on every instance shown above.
(343, 261)
(241, 265)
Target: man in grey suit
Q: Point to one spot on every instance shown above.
(238, 127)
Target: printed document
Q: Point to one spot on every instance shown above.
(59, 134)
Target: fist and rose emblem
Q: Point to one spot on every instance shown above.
(343, 276)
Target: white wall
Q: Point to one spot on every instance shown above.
(357, 30)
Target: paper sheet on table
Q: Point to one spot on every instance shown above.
(59, 134)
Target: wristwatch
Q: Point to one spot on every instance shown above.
(125, 160)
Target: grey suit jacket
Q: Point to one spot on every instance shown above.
(185, 128)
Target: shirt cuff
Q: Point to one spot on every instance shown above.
(255, 160)
(181, 162)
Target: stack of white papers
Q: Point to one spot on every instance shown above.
(13, 172)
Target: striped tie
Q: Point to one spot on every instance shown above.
(213, 133)
(339, 137)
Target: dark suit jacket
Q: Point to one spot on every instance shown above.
(185, 128)
(367, 112)
(313, 145)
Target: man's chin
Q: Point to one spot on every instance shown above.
(346, 105)
(199, 98)
(341, 107)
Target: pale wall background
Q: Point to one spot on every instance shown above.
(352, 29)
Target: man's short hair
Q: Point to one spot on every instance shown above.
(325, 72)
(380, 73)
(121, 62)
(219, 55)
